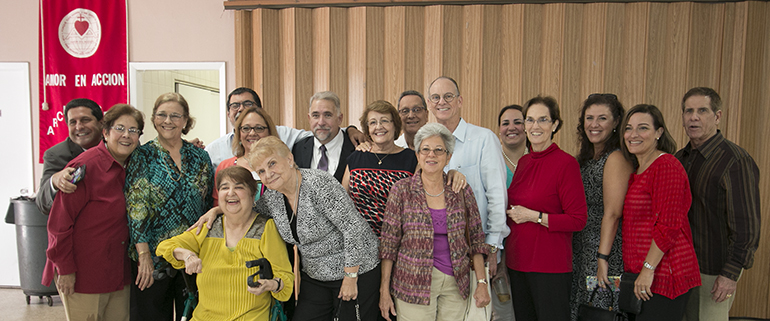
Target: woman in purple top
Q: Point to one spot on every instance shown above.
(430, 237)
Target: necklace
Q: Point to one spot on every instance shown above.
(431, 195)
(181, 172)
(296, 201)
(379, 160)
(509, 160)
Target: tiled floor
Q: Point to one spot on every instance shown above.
(14, 307)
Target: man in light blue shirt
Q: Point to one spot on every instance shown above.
(242, 98)
(478, 156)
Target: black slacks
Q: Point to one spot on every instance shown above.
(541, 296)
(318, 299)
(159, 300)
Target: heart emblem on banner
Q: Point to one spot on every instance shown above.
(81, 26)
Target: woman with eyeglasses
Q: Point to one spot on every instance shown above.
(605, 175)
(169, 185)
(546, 205)
(431, 237)
(88, 230)
(252, 125)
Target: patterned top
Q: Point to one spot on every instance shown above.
(407, 239)
(222, 285)
(370, 182)
(585, 243)
(332, 235)
(725, 214)
(162, 200)
(655, 208)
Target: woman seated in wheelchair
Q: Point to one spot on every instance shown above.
(219, 255)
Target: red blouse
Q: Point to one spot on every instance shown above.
(655, 208)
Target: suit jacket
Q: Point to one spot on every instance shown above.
(303, 154)
(54, 160)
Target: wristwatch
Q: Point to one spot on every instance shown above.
(540, 218)
(352, 275)
(481, 281)
(492, 249)
(649, 266)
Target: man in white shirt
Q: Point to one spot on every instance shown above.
(478, 156)
(329, 147)
(242, 98)
(414, 114)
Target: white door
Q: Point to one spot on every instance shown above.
(16, 172)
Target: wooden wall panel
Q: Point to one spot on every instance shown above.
(501, 54)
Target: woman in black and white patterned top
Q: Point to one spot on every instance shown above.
(338, 248)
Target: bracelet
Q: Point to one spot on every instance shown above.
(142, 252)
(605, 257)
(280, 283)
(649, 266)
(188, 256)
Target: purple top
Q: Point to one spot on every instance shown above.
(441, 259)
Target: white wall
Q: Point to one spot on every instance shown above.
(158, 31)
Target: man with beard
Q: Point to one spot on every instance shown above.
(329, 147)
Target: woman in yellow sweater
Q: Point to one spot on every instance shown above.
(219, 255)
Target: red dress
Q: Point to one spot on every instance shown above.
(655, 208)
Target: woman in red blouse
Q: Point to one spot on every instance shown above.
(546, 204)
(657, 241)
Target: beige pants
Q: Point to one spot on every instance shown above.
(97, 307)
(446, 303)
(702, 307)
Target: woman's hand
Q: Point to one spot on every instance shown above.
(264, 286)
(456, 180)
(349, 289)
(144, 278)
(193, 264)
(66, 284)
(601, 273)
(643, 283)
(206, 219)
(520, 214)
(386, 304)
(364, 146)
(481, 295)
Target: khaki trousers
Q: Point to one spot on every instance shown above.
(446, 303)
(702, 307)
(97, 307)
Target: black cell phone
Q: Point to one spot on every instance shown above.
(78, 174)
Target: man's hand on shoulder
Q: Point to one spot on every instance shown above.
(61, 180)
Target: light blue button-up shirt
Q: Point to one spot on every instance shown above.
(222, 147)
(479, 157)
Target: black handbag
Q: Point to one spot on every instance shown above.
(588, 312)
(629, 303)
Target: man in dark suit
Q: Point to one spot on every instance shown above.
(84, 121)
(329, 147)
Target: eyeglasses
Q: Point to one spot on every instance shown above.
(425, 151)
(136, 132)
(383, 122)
(175, 117)
(608, 96)
(416, 110)
(256, 129)
(448, 97)
(244, 104)
(542, 121)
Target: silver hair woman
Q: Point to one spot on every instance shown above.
(432, 279)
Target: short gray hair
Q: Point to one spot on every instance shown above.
(326, 95)
(435, 129)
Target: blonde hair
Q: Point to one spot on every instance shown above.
(265, 148)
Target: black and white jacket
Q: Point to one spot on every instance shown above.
(332, 234)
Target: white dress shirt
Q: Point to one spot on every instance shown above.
(401, 142)
(479, 157)
(333, 151)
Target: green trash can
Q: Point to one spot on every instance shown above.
(31, 243)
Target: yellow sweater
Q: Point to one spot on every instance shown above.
(222, 286)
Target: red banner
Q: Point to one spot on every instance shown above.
(83, 54)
